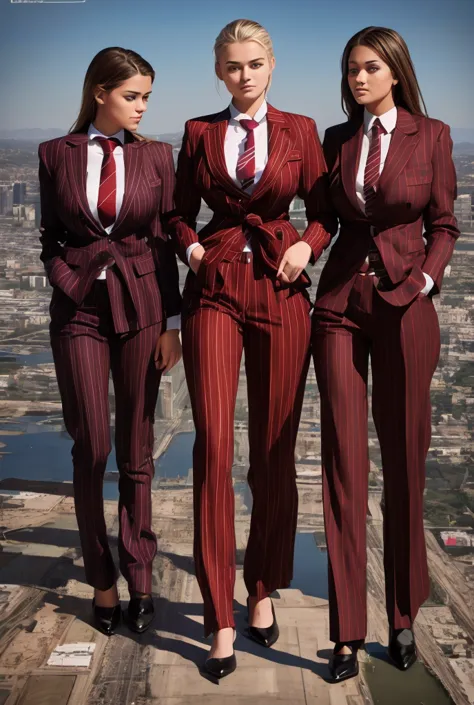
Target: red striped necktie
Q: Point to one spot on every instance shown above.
(106, 203)
(372, 168)
(246, 163)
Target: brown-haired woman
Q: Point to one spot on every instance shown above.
(115, 308)
(391, 175)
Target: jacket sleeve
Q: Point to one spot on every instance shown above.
(441, 230)
(187, 199)
(313, 189)
(53, 233)
(160, 242)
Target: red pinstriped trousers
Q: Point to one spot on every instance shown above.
(85, 350)
(403, 344)
(273, 329)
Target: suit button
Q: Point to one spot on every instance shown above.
(109, 239)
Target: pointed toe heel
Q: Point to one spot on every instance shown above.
(220, 667)
(265, 636)
(344, 666)
(402, 648)
(140, 613)
(106, 619)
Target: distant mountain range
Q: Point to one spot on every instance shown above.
(460, 135)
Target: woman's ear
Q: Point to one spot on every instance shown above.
(99, 95)
(218, 71)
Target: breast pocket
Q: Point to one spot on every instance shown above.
(418, 175)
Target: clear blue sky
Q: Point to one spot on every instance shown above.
(46, 48)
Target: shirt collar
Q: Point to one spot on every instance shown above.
(388, 120)
(261, 113)
(93, 132)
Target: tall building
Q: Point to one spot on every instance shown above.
(19, 193)
(6, 200)
(37, 215)
(463, 208)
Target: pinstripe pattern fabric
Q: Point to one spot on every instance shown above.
(106, 206)
(246, 162)
(75, 247)
(403, 344)
(235, 305)
(416, 188)
(295, 166)
(273, 330)
(372, 167)
(98, 327)
(84, 355)
(398, 328)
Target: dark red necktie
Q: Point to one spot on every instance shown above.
(106, 203)
(372, 168)
(246, 162)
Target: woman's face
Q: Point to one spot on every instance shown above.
(124, 106)
(370, 79)
(245, 69)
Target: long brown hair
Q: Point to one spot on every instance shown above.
(392, 49)
(107, 70)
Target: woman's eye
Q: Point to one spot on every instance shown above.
(256, 66)
(129, 98)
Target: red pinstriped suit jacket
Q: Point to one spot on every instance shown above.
(417, 187)
(143, 283)
(295, 166)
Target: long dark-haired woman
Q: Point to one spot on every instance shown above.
(247, 162)
(391, 176)
(115, 308)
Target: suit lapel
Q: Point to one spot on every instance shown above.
(76, 168)
(350, 157)
(404, 140)
(279, 144)
(131, 161)
(214, 138)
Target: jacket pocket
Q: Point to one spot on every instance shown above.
(417, 176)
(144, 264)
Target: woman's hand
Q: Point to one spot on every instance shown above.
(168, 350)
(195, 258)
(294, 260)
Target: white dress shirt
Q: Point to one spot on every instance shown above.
(234, 147)
(95, 156)
(389, 121)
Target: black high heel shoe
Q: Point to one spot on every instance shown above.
(106, 619)
(344, 666)
(265, 636)
(220, 667)
(402, 648)
(140, 612)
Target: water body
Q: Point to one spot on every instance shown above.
(178, 457)
(28, 360)
(388, 686)
(42, 452)
(464, 247)
(310, 572)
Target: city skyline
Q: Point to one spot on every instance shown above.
(49, 47)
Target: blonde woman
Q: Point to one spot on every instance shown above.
(246, 292)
